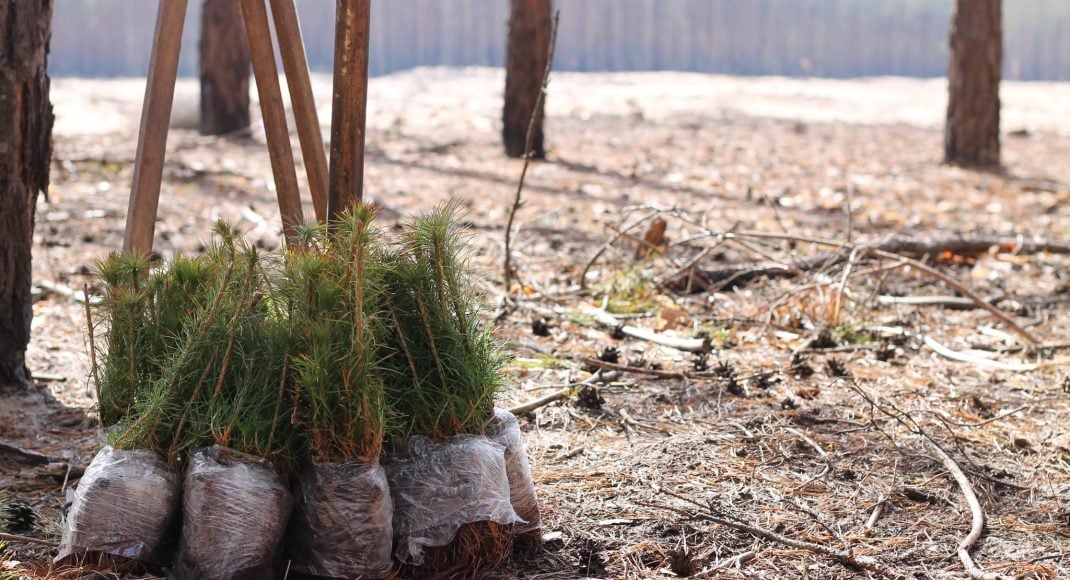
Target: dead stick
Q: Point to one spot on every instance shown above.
(262, 55)
(295, 64)
(713, 572)
(25, 540)
(979, 301)
(946, 301)
(844, 557)
(977, 517)
(564, 393)
(155, 122)
(977, 514)
(679, 343)
(948, 353)
(633, 370)
(874, 516)
(529, 144)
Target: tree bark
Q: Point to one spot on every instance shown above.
(971, 137)
(225, 69)
(25, 154)
(530, 25)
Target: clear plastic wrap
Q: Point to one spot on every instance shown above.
(505, 430)
(438, 487)
(342, 524)
(125, 504)
(234, 509)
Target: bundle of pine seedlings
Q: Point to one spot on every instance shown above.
(128, 497)
(235, 419)
(451, 491)
(331, 286)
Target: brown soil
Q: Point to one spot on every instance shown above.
(763, 430)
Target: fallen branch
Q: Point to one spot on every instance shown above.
(845, 557)
(963, 290)
(875, 515)
(26, 540)
(566, 392)
(977, 518)
(956, 302)
(897, 247)
(737, 560)
(685, 344)
(977, 514)
(601, 364)
(955, 355)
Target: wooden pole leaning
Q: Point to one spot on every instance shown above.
(273, 110)
(155, 123)
(295, 64)
(349, 114)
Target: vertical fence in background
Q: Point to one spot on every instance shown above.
(828, 38)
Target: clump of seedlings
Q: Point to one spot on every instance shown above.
(245, 370)
(234, 418)
(147, 311)
(331, 286)
(445, 368)
(208, 349)
(453, 508)
(144, 311)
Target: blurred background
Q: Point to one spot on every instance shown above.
(822, 38)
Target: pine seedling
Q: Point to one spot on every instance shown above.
(221, 380)
(122, 313)
(143, 312)
(241, 403)
(161, 407)
(331, 284)
(445, 367)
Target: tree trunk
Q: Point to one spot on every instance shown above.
(971, 137)
(225, 68)
(25, 154)
(530, 25)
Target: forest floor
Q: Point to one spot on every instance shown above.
(822, 411)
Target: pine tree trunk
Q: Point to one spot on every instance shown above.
(225, 68)
(530, 25)
(25, 154)
(971, 137)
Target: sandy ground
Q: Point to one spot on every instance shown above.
(805, 455)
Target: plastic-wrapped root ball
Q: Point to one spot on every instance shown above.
(439, 487)
(235, 509)
(124, 506)
(505, 430)
(342, 525)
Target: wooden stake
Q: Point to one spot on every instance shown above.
(295, 63)
(155, 122)
(258, 30)
(349, 114)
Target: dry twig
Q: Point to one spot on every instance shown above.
(845, 557)
(518, 200)
(977, 514)
(26, 540)
(685, 344)
(597, 377)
